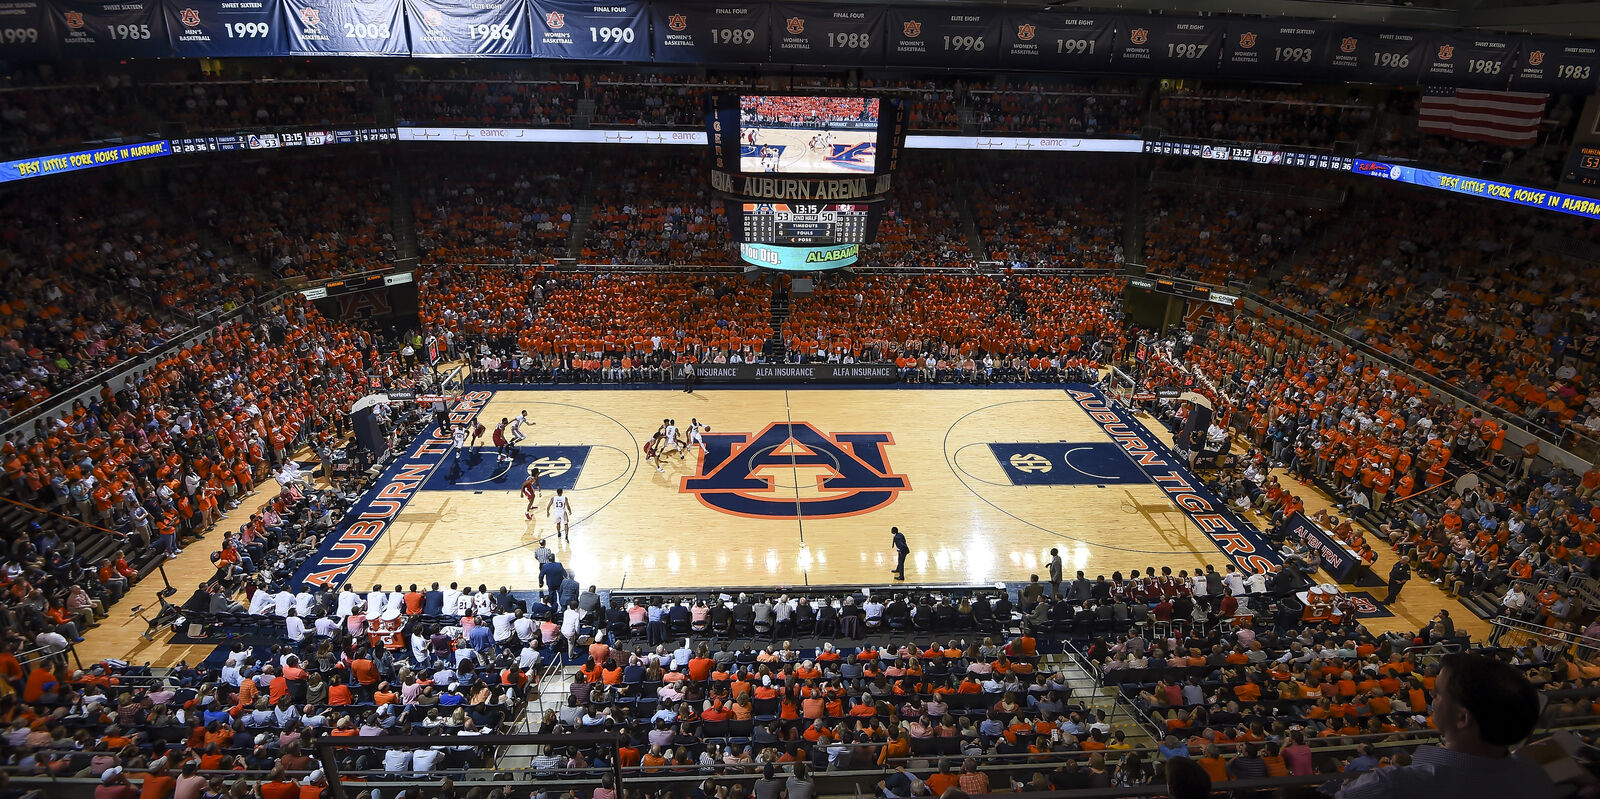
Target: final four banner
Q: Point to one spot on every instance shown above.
(25, 32)
(1167, 45)
(1469, 59)
(344, 27)
(1556, 66)
(1274, 49)
(237, 28)
(943, 37)
(710, 32)
(109, 30)
(840, 35)
(1045, 41)
(468, 28)
(590, 31)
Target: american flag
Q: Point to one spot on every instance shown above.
(1508, 118)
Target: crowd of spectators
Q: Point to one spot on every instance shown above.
(647, 212)
(1214, 233)
(920, 224)
(567, 321)
(99, 278)
(1054, 212)
(1058, 108)
(487, 101)
(311, 218)
(1244, 114)
(473, 208)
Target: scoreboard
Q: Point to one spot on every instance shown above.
(809, 224)
(1583, 168)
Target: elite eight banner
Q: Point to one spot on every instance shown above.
(468, 28)
(344, 27)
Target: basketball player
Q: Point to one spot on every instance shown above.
(530, 491)
(769, 159)
(501, 444)
(477, 432)
(652, 449)
(563, 511)
(458, 437)
(695, 431)
(516, 428)
(672, 438)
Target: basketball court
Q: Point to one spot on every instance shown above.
(792, 487)
(851, 152)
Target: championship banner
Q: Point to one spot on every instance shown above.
(1045, 41)
(25, 32)
(1469, 60)
(1168, 46)
(1268, 49)
(565, 29)
(943, 37)
(689, 32)
(468, 28)
(109, 30)
(1375, 55)
(235, 29)
(1336, 560)
(827, 34)
(1556, 66)
(344, 27)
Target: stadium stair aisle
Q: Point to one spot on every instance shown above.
(580, 219)
(1087, 691)
(1419, 601)
(969, 221)
(118, 636)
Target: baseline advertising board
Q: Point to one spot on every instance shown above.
(688, 32)
(25, 30)
(132, 29)
(344, 27)
(235, 29)
(1168, 46)
(1040, 40)
(942, 37)
(827, 34)
(795, 373)
(589, 31)
(468, 28)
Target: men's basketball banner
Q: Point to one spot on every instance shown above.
(468, 28)
(235, 29)
(943, 37)
(1237, 538)
(737, 473)
(133, 29)
(344, 27)
(700, 33)
(1336, 560)
(344, 549)
(618, 31)
(25, 30)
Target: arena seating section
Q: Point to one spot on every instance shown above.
(1381, 303)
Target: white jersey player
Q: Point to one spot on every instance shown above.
(459, 437)
(517, 436)
(560, 509)
(695, 431)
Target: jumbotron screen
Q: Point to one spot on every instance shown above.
(808, 135)
(806, 223)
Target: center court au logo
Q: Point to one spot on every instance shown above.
(738, 473)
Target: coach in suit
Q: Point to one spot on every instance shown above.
(433, 601)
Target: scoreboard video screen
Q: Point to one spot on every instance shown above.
(807, 223)
(808, 135)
